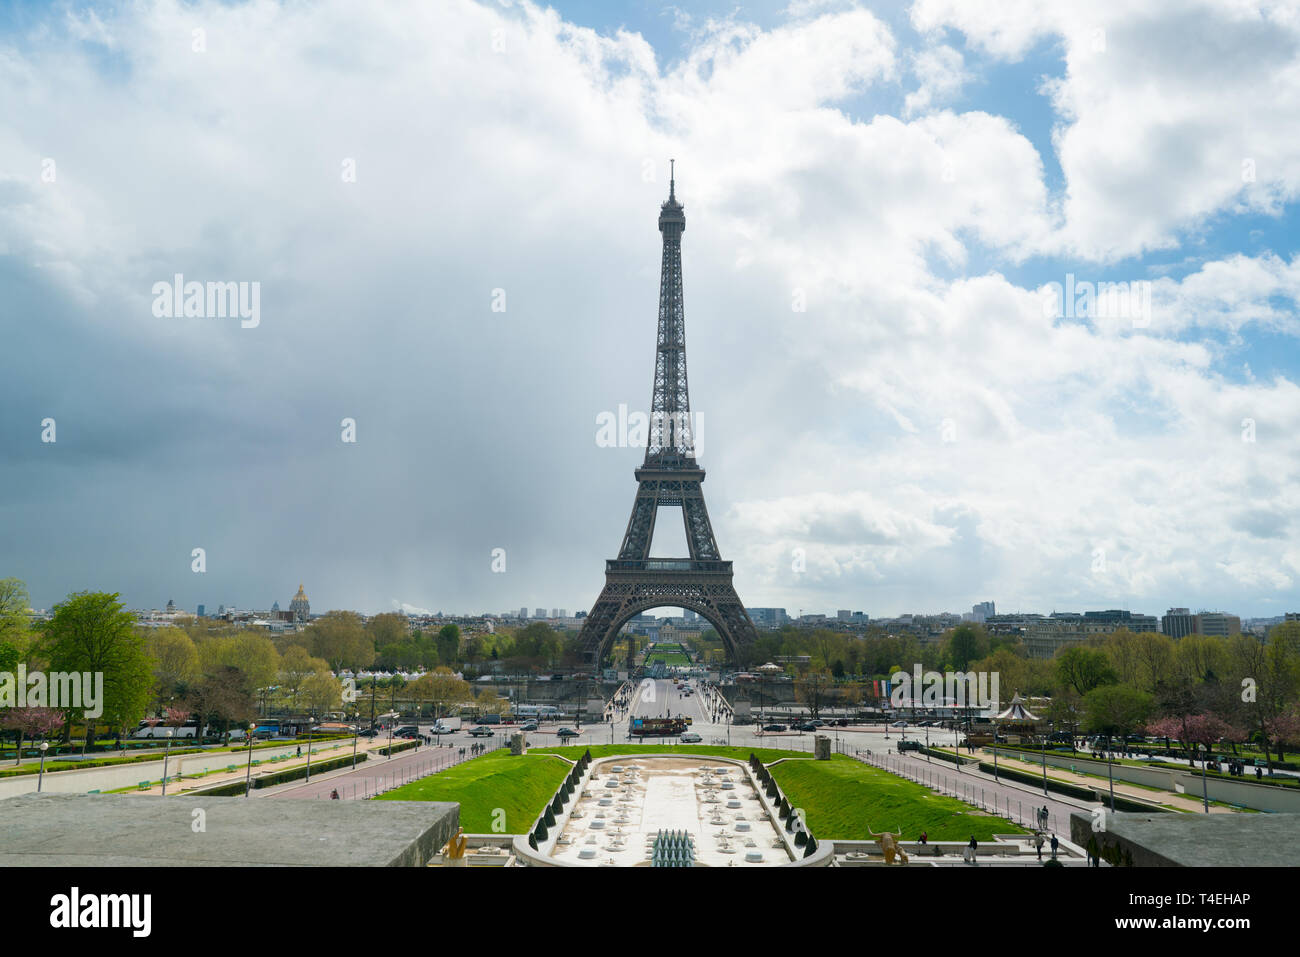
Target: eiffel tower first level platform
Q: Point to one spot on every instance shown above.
(670, 476)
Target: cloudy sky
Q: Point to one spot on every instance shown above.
(449, 209)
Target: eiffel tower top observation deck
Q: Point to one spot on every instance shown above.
(671, 443)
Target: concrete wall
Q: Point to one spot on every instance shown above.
(1152, 777)
(1261, 797)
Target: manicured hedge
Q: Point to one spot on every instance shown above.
(231, 789)
(950, 758)
(399, 748)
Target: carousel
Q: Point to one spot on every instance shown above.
(1016, 720)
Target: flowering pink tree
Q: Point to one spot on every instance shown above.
(1194, 729)
(1286, 730)
(31, 723)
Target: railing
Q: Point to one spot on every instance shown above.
(371, 786)
(666, 565)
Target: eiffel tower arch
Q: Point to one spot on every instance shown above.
(670, 476)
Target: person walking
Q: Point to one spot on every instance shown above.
(1038, 843)
(971, 849)
(1055, 845)
(924, 837)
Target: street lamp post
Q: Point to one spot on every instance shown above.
(310, 724)
(1044, 756)
(1205, 784)
(356, 733)
(166, 752)
(40, 779)
(1110, 776)
(248, 777)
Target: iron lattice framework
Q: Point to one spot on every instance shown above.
(635, 582)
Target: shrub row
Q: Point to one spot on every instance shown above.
(802, 836)
(548, 818)
(398, 748)
(951, 758)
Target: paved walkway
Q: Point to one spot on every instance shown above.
(320, 752)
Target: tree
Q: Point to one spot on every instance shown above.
(449, 644)
(442, 688)
(15, 631)
(965, 644)
(222, 697)
(1268, 676)
(811, 690)
(390, 628)
(296, 666)
(1115, 709)
(176, 660)
(1083, 669)
(1195, 729)
(322, 690)
(341, 639)
(252, 652)
(93, 632)
(31, 723)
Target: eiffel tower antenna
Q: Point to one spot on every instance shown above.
(702, 581)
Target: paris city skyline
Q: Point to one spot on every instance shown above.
(934, 360)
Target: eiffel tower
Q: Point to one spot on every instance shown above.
(670, 475)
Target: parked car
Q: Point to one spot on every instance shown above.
(406, 730)
(774, 727)
(529, 725)
(899, 724)
(567, 733)
(441, 729)
(481, 732)
(807, 726)
(690, 737)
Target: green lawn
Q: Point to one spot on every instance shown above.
(518, 785)
(842, 797)
(671, 659)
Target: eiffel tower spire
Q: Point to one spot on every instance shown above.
(671, 442)
(702, 581)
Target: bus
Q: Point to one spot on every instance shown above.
(189, 729)
(537, 711)
(656, 727)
